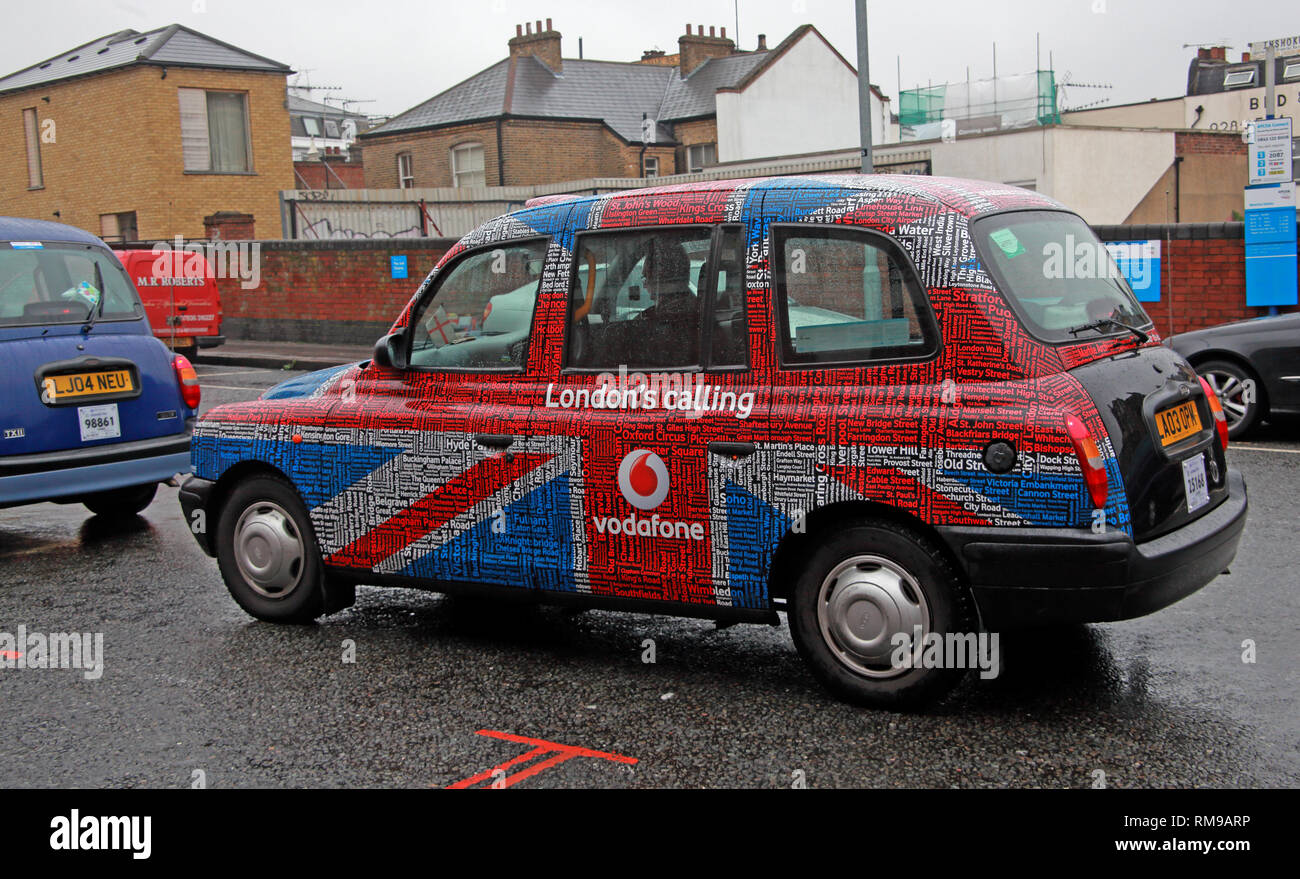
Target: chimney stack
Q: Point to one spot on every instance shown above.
(544, 45)
(695, 47)
(762, 43)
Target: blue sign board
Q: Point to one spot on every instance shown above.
(1271, 245)
(1139, 263)
(397, 266)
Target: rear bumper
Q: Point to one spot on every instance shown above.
(1043, 576)
(209, 341)
(72, 474)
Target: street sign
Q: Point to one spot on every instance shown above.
(1271, 244)
(1139, 263)
(1270, 151)
(1280, 47)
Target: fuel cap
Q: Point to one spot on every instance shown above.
(1000, 457)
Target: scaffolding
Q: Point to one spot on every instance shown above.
(973, 106)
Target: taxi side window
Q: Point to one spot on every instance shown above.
(480, 315)
(636, 297)
(845, 295)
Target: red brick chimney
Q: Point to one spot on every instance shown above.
(544, 45)
(695, 49)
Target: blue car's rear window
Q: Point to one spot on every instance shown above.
(53, 283)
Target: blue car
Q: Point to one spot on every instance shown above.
(93, 408)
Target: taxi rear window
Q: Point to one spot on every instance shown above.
(1056, 274)
(43, 283)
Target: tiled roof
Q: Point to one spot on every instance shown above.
(174, 45)
(616, 93)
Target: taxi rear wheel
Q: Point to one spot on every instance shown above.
(267, 552)
(865, 585)
(121, 501)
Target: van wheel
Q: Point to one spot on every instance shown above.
(189, 352)
(267, 552)
(121, 501)
(1231, 383)
(864, 584)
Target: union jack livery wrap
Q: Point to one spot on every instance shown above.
(508, 444)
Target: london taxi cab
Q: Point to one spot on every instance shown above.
(860, 401)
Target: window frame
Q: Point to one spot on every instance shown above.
(787, 360)
(410, 167)
(32, 138)
(707, 296)
(250, 169)
(645, 167)
(1248, 83)
(433, 287)
(456, 174)
(690, 149)
(1290, 71)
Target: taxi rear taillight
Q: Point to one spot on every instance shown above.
(1090, 460)
(188, 380)
(1216, 407)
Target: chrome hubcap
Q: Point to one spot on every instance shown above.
(269, 550)
(1231, 392)
(864, 602)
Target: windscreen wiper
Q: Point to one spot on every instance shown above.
(96, 310)
(1102, 322)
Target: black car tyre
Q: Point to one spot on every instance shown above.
(1239, 394)
(267, 552)
(864, 584)
(121, 501)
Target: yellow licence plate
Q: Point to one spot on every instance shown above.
(88, 384)
(1178, 422)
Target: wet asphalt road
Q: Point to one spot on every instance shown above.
(191, 684)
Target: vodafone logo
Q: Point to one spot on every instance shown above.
(643, 479)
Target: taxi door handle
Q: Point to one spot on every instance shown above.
(732, 450)
(494, 440)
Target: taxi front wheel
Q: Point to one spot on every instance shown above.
(866, 592)
(268, 554)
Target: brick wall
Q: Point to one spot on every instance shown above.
(337, 292)
(314, 175)
(117, 149)
(1203, 269)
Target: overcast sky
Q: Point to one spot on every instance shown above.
(399, 52)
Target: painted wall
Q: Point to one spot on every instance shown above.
(806, 102)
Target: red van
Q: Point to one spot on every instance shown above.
(180, 297)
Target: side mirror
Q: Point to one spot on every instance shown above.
(390, 352)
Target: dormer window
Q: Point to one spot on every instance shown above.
(1239, 78)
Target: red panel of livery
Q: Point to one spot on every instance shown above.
(870, 402)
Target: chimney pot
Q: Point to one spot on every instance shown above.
(724, 33)
(712, 31)
(548, 25)
(762, 42)
(519, 30)
(528, 28)
(1245, 56)
(699, 30)
(688, 30)
(539, 25)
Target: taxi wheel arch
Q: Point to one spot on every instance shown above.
(867, 549)
(263, 496)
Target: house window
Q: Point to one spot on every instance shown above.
(214, 132)
(405, 172)
(467, 165)
(1291, 71)
(701, 156)
(119, 227)
(35, 178)
(331, 128)
(1238, 78)
(311, 125)
(651, 168)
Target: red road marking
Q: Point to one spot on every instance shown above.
(560, 753)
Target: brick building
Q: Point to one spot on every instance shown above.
(143, 135)
(538, 117)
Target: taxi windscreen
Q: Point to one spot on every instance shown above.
(1060, 279)
(50, 283)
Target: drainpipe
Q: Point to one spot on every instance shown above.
(501, 165)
